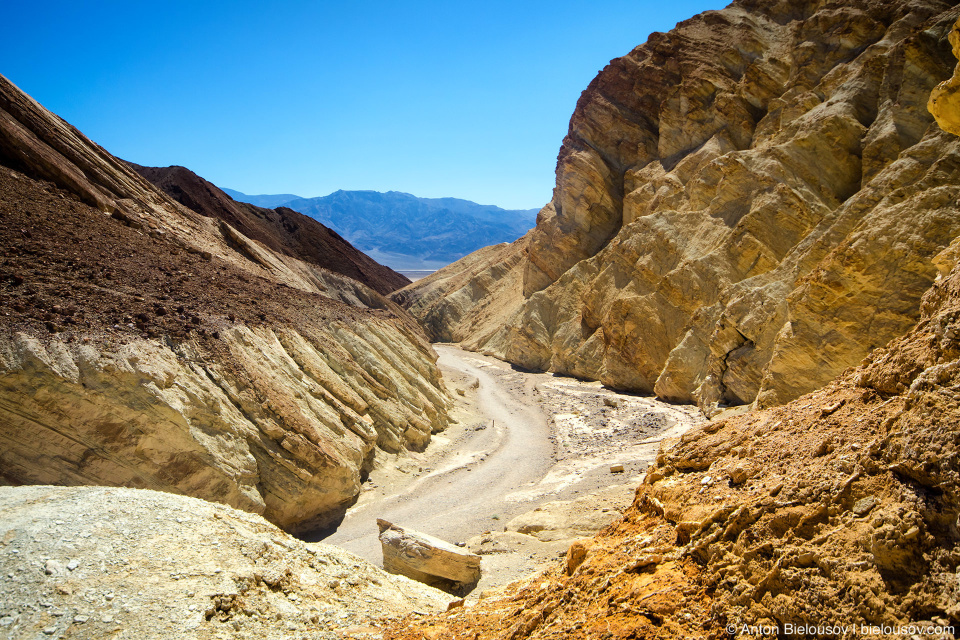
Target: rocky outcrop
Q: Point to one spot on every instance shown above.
(745, 207)
(471, 299)
(145, 345)
(944, 103)
(95, 562)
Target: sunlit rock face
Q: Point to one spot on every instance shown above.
(745, 206)
(944, 101)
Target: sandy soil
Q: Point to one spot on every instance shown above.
(524, 471)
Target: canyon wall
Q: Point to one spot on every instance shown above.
(143, 344)
(745, 206)
(833, 515)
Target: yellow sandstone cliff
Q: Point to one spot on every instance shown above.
(745, 207)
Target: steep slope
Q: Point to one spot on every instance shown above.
(282, 230)
(745, 206)
(145, 345)
(409, 232)
(835, 515)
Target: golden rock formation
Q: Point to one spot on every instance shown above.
(745, 207)
(944, 101)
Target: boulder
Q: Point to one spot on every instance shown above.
(428, 559)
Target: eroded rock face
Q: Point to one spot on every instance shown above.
(145, 345)
(745, 206)
(145, 564)
(839, 508)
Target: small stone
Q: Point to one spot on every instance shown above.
(706, 480)
(611, 402)
(52, 568)
(109, 596)
(73, 564)
(863, 506)
(738, 475)
(616, 468)
(80, 619)
(49, 631)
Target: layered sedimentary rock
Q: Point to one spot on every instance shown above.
(835, 514)
(745, 206)
(97, 562)
(146, 345)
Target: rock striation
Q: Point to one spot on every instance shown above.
(144, 344)
(745, 207)
(835, 514)
(96, 562)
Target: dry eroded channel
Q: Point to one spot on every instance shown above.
(525, 469)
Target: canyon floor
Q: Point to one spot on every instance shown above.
(524, 470)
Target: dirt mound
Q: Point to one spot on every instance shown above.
(97, 562)
(283, 230)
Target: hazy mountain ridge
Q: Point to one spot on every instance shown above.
(280, 229)
(405, 231)
(270, 201)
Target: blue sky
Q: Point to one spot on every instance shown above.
(469, 100)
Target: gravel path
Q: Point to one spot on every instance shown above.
(507, 450)
(523, 440)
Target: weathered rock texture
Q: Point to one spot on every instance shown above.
(427, 559)
(839, 508)
(143, 344)
(745, 206)
(944, 103)
(95, 562)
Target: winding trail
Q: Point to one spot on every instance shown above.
(533, 438)
(458, 499)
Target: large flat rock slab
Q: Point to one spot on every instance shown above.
(427, 559)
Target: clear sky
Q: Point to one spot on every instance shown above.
(462, 99)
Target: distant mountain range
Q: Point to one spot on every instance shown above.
(269, 201)
(403, 231)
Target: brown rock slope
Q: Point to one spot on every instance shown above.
(745, 206)
(839, 508)
(145, 345)
(283, 230)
